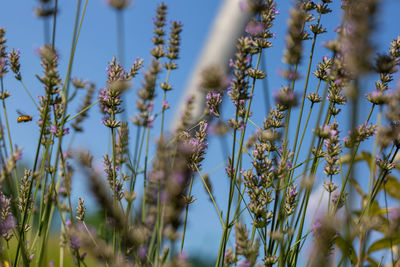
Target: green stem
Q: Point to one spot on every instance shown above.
(305, 88)
(53, 37)
(27, 91)
(162, 108)
(211, 196)
(9, 135)
(145, 174)
(233, 179)
(186, 212)
(82, 111)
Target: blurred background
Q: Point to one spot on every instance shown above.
(97, 45)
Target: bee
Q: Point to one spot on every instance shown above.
(23, 117)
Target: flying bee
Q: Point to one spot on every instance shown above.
(23, 117)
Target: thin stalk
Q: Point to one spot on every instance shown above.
(135, 158)
(156, 229)
(31, 97)
(186, 212)
(353, 155)
(211, 196)
(221, 251)
(302, 211)
(265, 84)
(162, 108)
(388, 220)
(233, 179)
(53, 36)
(114, 178)
(305, 88)
(64, 93)
(133, 182)
(120, 35)
(146, 156)
(9, 134)
(82, 111)
(24, 217)
(378, 184)
(289, 111)
(159, 208)
(46, 30)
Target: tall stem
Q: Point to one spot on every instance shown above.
(186, 212)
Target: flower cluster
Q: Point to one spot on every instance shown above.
(15, 66)
(240, 85)
(244, 246)
(122, 143)
(7, 221)
(119, 4)
(173, 48)
(80, 210)
(355, 44)
(259, 26)
(117, 83)
(332, 145)
(359, 134)
(24, 200)
(114, 183)
(52, 85)
(3, 53)
(296, 34)
(83, 109)
(385, 66)
(291, 200)
(197, 145)
(213, 102)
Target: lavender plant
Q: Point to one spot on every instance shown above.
(145, 192)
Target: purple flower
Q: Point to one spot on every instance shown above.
(289, 164)
(243, 5)
(75, 242)
(276, 11)
(337, 82)
(231, 63)
(316, 226)
(179, 178)
(150, 107)
(248, 59)
(67, 224)
(53, 129)
(62, 190)
(394, 214)
(142, 252)
(165, 104)
(151, 121)
(8, 224)
(19, 156)
(182, 256)
(157, 175)
(293, 192)
(338, 29)
(244, 263)
(254, 28)
(66, 131)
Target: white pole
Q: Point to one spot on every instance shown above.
(219, 48)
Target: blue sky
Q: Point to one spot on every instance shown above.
(97, 46)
